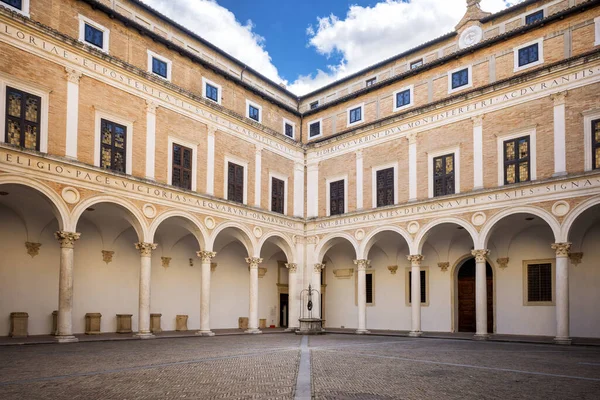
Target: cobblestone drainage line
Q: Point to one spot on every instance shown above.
(303, 385)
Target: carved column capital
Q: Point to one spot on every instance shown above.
(477, 120)
(145, 248)
(412, 138)
(562, 249)
(480, 255)
(299, 166)
(253, 262)
(415, 259)
(107, 256)
(359, 153)
(559, 98)
(319, 268)
(166, 261)
(151, 107)
(292, 267)
(73, 75)
(362, 264)
(258, 150)
(67, 239)
(206, 256)
(212, 129)
(444, 266)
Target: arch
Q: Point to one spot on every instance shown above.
(59, 207)
(331, 240)
(569, 221)
(487, 230)
(427, 229)
(282, 241)
(134, 215)
(369, 240)
(190, 222)
(242, 233)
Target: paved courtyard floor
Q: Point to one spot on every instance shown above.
(284, 366)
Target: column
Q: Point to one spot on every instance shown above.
(73, 77)
(480, 293)
(312, 190)
(210, 161)
(257, 175)
(151, 108)
(316, 285)
(560, 153)
(253, 262)
(299, 189)
(292, 295)
(362, 295)
(477, 152)
(359, 180)
(562, 293)
(145, 275)
(415, 263)
(206, 257)
(412, 167)
(65, 286)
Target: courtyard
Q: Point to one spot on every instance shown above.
(284, 366)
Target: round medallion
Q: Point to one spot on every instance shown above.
(71, 195)
(257, 232)
(560, 208)
(149, 210)
(413, 227)
(470, 36)
(478, 219)
(209, 222)
(359, 234)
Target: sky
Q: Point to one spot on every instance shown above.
(308, 44)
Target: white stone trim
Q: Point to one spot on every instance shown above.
(327, 192)
(105, 33)
(293, 124)
(98, 116)
(43, 93)
(284, 178)
(320, 121)
(362, 115)
(235, 160)
(255, 105)
(588, 117)
(526, 302)
(412, 98)
(531, 132)
(430, 174)
(152, 55)
(24, 11)
(374, 171)
(469, 69)
(194, 147)
(219, 89)
(597, 30)
(540, 43)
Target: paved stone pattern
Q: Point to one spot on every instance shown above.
(351, 367)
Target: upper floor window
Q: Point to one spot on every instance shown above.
(23, 116)
(314, 129)
(93, 34)
(314, 105)
(18, 4)
(211, 90)
(337, 197)
(529, 55)
(181, 175)
(113, 146)
(253, 111)
(596, 144)
(159, 65)
(277, 195)
(355, 115)
(235, 183)
(21, 6)
(289, 128)
(371, 82)
(534, 17)
(460, 78)
(403, 98)
(416, 64)
(516, 160)
(539, 283)
(443, 175)
(385, 187)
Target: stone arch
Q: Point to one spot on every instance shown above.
(421, 238)
(59, 207)
(282, 241)
(190, 222)
(569, 221)
(369, 240)
(240, 232)
(331, 240)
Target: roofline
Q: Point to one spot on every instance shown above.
(508, 10)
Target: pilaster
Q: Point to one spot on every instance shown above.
(73, 78)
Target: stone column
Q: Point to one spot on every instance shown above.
(412, 167)
(562, 293)
(415, 263)
(480, 293)
(560, 153)
(312, 190)
(316, 285)
(145, 275)
(210, 161)
(151, 108)
(253, 262)
(359, 180)
(477, 152)
(292, 295)
(73, 77)
(65, 286)
(362, 295)
(206, 257)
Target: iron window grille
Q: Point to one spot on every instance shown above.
(539, 282)
(277, 195)
(314, 129)
(385, 187)
(443, 175)
(460, 78)
(18, 4)
(356, 115)
(336, 198)
(160, 67)
(212, 93)
(113, 146)
(235, 183)
(369, 285)
(371, 82)
(314, 105)
(423, 287)
(23, 115)
(94, 36)
(529, 54)
(416, 64)
(182, 167)
(403, 98)
(534, 17)
(253, 113)
(289, 130)
(596, 144)
(517, 165)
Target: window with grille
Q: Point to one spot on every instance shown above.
(385, 187)
(23, 114)
(369, 284)
(94, 36)
(443, 175)
(529, 54)
(423, 287)
(289, 130)
(212, 92)
(516, 160)
(403, 98)
(416, 64)
(113, 146)
(539, 282)
(355, 115)
(314, 129)
(336, 198)
(253, 113)
(314, 105)
(460, 78)
(182, 167)
(596, 144)
(371, 82)
(277, 195)
(235, 183)
(160, 67)
(534, 17)
(18, 4)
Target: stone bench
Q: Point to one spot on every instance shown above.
(124, 323)
(19, 324)
(92, 323)
(243, 323)
(181, 323)
(155, 323)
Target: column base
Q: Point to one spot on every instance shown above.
(66, 339)
(253, 331)
(481, 336)
(415, 334)
(144, 335)
(292, 329)
(562, 340)
(205, 333)
(362, 331)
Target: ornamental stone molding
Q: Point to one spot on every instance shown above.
(560, 208)
(480, 255)
(412, 138)
(253, 262)
(359, 234)
(107, 256)
(149, 211)
(71, 195)
(73, 75)
(67, 239)
(575, 258)
(343, 273)
(33, 249)
(312, 239)
(166, 261)
(319, 268)
(298, 239)
(210, 222)
(292, 268)
(393, 269)
(503, 262)
(362, 264)
(562, 249)
(151, 107)
(477, 120)
(145, 248)
(478, 218)
(559, 98)
(415, 260)
(413, 227)
(444, 266)
(470, 37)
(212, 129)
(206, 256)
(257, 232)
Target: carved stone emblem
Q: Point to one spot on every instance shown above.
(413, 227)
(149, 211)
(71, 195)
(107, 256)
(470, 36)
(209, 222)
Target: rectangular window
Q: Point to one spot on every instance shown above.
(160, 67)
(516, 160)
(18, 4)
(355, 115)
(443, 175)
(314, 129)
(182, 167)
(534, 17)
(369, 281)
(235, 183)
(539, 282)
(23, 115)
(529, 54)
(289, 130)
(416, 64)
(596, 144)
(403, 98)
(212, 92)
(94, 36)
(113, 150)
(460, 78)
(385, 187)
(277, 195)
(423, 287)
(371, 82)
(253, 113)
(314, 105)
(337, 204)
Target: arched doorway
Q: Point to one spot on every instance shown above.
(466, 297)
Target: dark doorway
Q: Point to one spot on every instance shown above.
(284, 310)
(466, 297)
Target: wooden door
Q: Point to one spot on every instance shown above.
(490, 304)
(466, 304)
